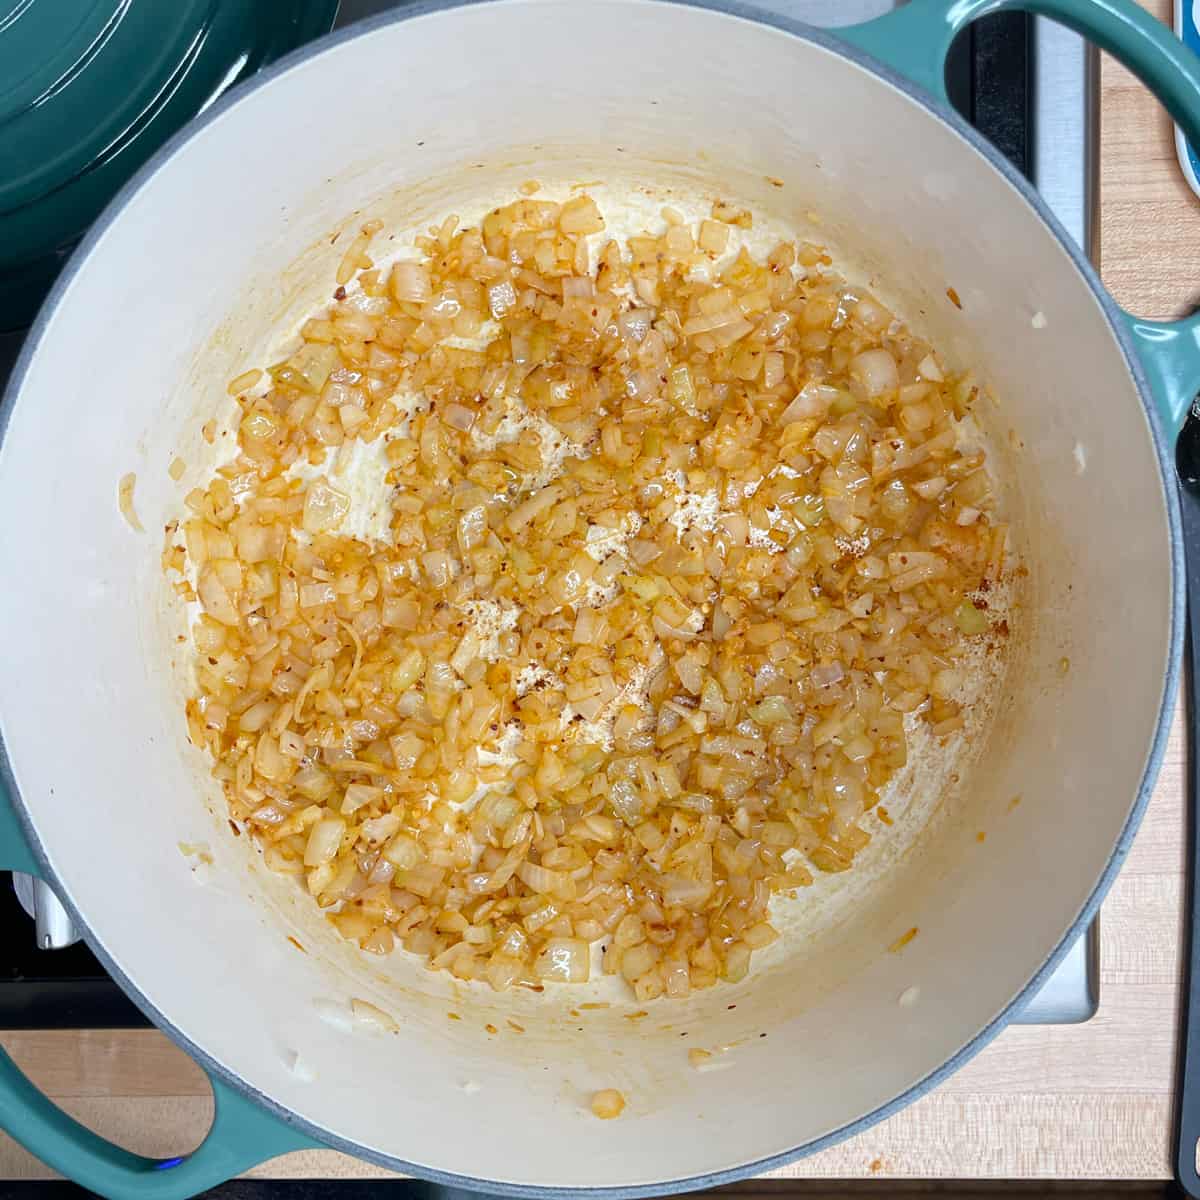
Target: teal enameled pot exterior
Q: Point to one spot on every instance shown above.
(100, 784)
(91, 89)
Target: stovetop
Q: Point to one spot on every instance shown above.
(1029, 87)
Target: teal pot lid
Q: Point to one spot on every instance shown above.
(89, 89)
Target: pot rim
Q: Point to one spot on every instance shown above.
(828, 41)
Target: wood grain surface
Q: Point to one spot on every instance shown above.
(1089, 1101)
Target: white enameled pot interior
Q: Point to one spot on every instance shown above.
(216, 256)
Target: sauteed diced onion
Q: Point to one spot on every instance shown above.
(672, 547)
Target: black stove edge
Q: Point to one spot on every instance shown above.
(263, 1189)
(989, 67)
(54, 989)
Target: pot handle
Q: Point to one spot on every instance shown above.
(242, 1134)
(914, 42)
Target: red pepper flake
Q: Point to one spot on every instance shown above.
(952, 295)
(340, 294)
